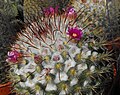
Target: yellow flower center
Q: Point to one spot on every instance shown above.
(74, 35)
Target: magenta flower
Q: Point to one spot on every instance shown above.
(13, 56)
(75, 33)
(50, 10)
(71, 12)
(46, 11)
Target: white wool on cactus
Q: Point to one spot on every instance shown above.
(62, 76)
(68, 64)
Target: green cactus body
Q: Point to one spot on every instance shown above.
(57, 58)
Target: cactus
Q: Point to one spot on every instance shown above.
(60, 54)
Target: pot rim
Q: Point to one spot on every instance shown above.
(5, 84)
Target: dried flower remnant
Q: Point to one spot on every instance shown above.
(38, 59)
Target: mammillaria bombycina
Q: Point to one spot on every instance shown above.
(61, 56)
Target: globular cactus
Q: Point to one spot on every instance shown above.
(60, 54)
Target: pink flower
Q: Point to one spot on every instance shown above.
(13, 56)
(75, 33)
(71, 12)
(50, 10)
(46, 11)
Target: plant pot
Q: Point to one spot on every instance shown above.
(5, 89)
